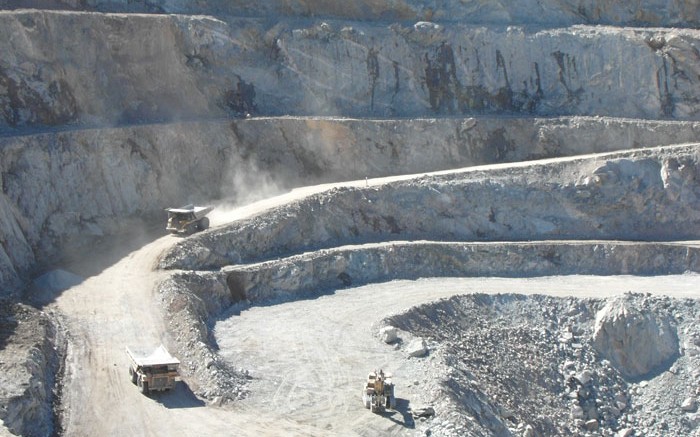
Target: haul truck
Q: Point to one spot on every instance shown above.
(187, 219)
(153, 371)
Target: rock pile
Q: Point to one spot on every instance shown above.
(528, 366)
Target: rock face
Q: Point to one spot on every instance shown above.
(675, 13)
(370, 263)
(80, 186)
(488, 85)
(28, 364)
(636, 341)
(64, 188)
(617, 197)
(115, 69)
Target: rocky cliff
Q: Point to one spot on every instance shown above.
(63, 189)
(93, 69)
(112, 109)
(676, 13)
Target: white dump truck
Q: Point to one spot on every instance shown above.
(154, 370)
(187, 219)
(378, 392)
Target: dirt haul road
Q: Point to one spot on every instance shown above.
(308, 357)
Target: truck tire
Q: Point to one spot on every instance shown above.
(203, 224)
(143, 386)
(133, 375)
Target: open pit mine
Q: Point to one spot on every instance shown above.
(497, 203)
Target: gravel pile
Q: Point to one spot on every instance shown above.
(541, 366)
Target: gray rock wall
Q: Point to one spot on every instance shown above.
(352, 148)
(109, 69)
(358, 265)
(68, 187)
(676, 13)
(77, 186)
(647, 195)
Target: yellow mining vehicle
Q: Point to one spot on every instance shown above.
(153, 371)
(188, 219)
(378, 392)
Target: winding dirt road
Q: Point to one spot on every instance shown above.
(308, 358)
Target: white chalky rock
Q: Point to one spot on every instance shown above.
(636, 341)
(417, 348)
(592, 425)
(584, 377)
(624, 432)
(388, 334)
(690, 404)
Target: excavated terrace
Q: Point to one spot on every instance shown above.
(583, 115)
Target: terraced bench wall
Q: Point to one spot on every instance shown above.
(674, 13)
(75, 185)
(648, 195)
(116, 69)
(353, 266)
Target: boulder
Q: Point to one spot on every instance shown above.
(417, 348)
(388, 334)
(690, 404)
(624, 432)
(635, 340)
(584, 377)
(427, 411)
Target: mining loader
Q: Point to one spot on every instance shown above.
(378, 392)
(153, 371)
(188, 219)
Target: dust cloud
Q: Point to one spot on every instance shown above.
(244, 186)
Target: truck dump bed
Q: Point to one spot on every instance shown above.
(158, 357)
(198, 211)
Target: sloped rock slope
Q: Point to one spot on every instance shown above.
(64, 68)
(676, 13)
(60, 190)
(531, 365)
(650, 194)
(31, 346)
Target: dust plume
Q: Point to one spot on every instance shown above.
(245, 184)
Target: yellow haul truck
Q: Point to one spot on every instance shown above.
(188, 219)
(153, 371)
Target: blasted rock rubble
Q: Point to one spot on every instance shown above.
(530, 366)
